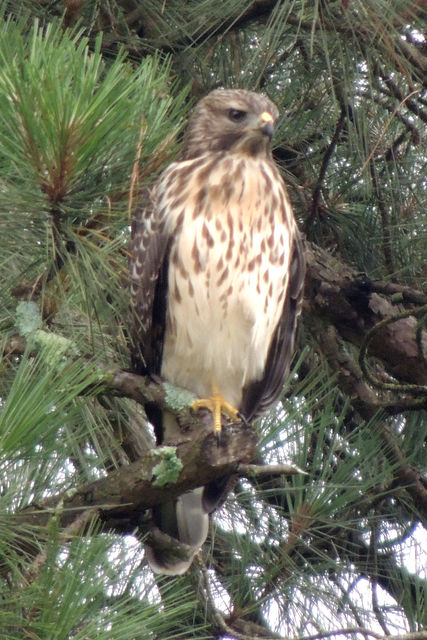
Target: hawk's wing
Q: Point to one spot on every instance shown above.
(148, 263)
(260, 395)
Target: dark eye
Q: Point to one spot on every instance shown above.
(236, 115)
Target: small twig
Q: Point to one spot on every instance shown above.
(397, 93)
(417, 635)
(216, 615)
(326, 158)
(347, 631)
(394, 407)
(387, 125)
(410, 127)
(269, 469)
(387, 241)
(373, 578)
(68, 532)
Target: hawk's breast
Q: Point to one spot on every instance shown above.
(233, 228)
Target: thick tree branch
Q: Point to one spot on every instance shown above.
(414, 389)
(124, 494)
(337, 295)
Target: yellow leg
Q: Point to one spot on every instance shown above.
(217, 404)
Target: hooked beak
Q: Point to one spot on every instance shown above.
(266, 124)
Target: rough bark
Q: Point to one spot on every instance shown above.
(338, 296)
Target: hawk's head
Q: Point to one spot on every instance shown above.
(231, 120)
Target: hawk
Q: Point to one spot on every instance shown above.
(217, 271)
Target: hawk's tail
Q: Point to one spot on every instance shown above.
(180, 527)
(180, 530)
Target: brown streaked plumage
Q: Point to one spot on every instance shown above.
(217, 271)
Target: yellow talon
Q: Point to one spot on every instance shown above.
(216, 404)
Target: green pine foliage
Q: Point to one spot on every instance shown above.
(93, 100)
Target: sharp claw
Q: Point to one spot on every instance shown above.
(242, 418)
(217, 405)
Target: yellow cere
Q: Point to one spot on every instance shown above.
(266, 117)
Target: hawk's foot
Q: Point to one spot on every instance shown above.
(216, 404)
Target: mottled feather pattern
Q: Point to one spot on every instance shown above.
(148, 249)
(231, 226)
(210, 267)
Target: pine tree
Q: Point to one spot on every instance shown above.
(325, 536)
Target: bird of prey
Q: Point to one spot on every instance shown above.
(217, 271)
